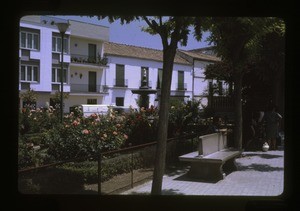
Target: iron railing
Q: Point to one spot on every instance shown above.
(85, 88)
(181, 86)
(120, 83)
(222, 102)
(147, 150)
(85, 59)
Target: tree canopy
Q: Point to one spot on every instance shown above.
(172, 30)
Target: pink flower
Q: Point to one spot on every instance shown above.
(75, 123)
(85, 131)
(94, 115)
(115, 133)
(125, 136)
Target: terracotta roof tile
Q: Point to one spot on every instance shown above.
(201, 56)
(116, 49)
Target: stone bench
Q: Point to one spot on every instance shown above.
(213, 157)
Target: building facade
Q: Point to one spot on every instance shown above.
(40, 57)
(127, 65)
(97, 71)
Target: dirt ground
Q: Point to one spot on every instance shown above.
(120, 183)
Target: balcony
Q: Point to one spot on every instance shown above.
(88, 60)
(88, 88)
(120, 83)
(181, 86)
(221, 103)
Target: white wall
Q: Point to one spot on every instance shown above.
(133, 75)
(75, 71)
(44, 55)
(80, 46)
(200, 84)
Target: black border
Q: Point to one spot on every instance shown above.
(285, 10)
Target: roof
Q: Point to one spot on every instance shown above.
(116, 49)
(203, 49)
(201, 56)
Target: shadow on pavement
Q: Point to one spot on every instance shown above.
(264, 156)
(164, 192)
(185, 177)
(260, 167)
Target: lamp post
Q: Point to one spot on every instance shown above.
(62, 27)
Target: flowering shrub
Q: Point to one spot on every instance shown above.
(141, 126)
(182, 115)
(84, 136)
(37, 120)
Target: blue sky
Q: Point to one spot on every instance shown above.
(131, 34)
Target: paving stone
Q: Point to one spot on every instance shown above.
(258, 174)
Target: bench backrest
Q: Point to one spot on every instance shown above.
(212, 143)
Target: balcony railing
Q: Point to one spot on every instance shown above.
(222, 103)
(181, 86)
(85, 59)
(121, 83)
(88, 88)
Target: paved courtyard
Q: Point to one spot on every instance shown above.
(259, 174)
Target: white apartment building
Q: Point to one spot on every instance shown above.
(97, 71)
(40, 56)
(199, 61)
(126, 66)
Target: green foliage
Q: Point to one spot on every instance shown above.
(141, 126)
(85, 136)
(29, 96)
(220, 71)
(51, 181)
(25, 154)
(109, 167)
(31, 152)
(183, 114)
(37, 120)
(57, 98)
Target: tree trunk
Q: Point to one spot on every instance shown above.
(160, 156)
(238, 130)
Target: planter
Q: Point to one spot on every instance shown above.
(265, 147)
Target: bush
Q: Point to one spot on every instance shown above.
(141, 126)
(31, 153)
(79, 137)
(181, 116)
(37, 120)
(110, 167)
(25, 155)
(51, 181)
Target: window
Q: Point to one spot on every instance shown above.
(29, 73)
(29, 40)
(159, 78)
(120, 75)
(92, 101)
(119, 101)
(56, 75)
(56, 44)
(180, 80)
(220, 87)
